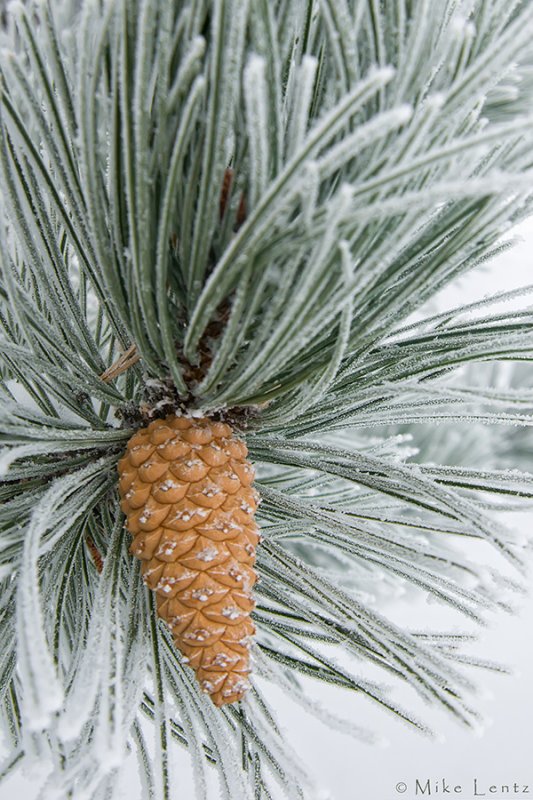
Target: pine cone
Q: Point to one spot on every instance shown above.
(186, 490)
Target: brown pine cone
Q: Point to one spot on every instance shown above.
(186, 490)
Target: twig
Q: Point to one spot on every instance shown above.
(123, 362)
(95, 554)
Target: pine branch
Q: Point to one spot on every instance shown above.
(234, 209)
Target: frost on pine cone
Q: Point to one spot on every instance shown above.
(186, 491)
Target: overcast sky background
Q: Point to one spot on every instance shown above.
(345, 769)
